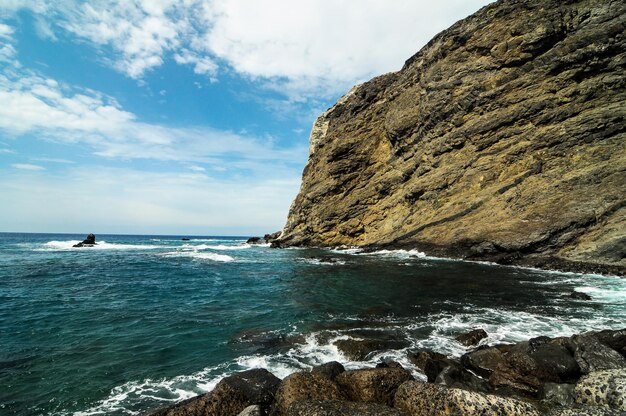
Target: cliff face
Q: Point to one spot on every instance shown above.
(503, 139)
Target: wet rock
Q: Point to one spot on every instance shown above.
(254, 240)
(89, 241)
(518, 372)
(603, 388)
(423, 399)
(483, 361)
(592, 355)
(254, 410)
(374, 385)
(329, 370)
(230, 396)
(457, 376)
(302, 386)
(579, 296)
(419, 358)
(434, 366)
(340, 408)
(558, 394)
(614, 339)
(389, 364)
(360, 349)
(472, 337)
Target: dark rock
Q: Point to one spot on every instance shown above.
(434, 366)
(579, 296)
(340, 408)
(389, 364)
(520, 373)
(185, 239)
(230, 396)
(615, 339)
(458, 377)
(472, 337)
(373, 385)
(592, 355)
(254, 240)
(558, 394)
(360, 349)
(303, 386)
(424, 399)
(330, 370)
(272, 237)
(483, 361)
(90, 241)
(419, 358)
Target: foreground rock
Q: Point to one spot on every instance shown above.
(89, 241)
(231, 396)
(579, 375)
(503, 139)
(422, 399)
(472, 337)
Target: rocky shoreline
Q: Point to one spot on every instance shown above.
(584, 374)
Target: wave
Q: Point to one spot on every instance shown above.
(101, 245)
(199, 255)
(323, 262)
(216, 247)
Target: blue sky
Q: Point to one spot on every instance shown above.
(181, 116)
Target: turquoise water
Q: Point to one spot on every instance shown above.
(139, 322)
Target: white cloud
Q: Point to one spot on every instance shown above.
(34, 104)
(8, 53)
(304, 49)
(27, 166)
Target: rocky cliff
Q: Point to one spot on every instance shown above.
(503, 139)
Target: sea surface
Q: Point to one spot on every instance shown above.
(140, 322)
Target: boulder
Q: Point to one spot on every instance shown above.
(330, 370)
(614, 339)
(388, 364)
(592, 355)
(373, 385)
(579, 296)
(302, 386)
(360, 349)
(230, 396)
(472, 337)
(271, 237)
(89, 241)
(423, 399)
(519, 373)
(254, 240)
(483, 361)
(457, 376)
(419, 358)
(340, 408)
(603, 388)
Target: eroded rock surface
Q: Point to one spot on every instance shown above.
(504, 139)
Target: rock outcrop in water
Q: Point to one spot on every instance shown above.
(503, 139)
(89, 241)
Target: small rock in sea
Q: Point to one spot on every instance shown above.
(90, 241)
(472, 337)
(185, 239)
(579, 296)
(254, 240)
(419, 358)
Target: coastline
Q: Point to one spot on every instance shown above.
(584, 374)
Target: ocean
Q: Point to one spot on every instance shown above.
(140, 322)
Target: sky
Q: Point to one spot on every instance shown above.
(184, 117)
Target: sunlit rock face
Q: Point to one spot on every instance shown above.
(502, 139)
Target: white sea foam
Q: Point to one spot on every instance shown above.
(216, 247)
(323, 262)
(199, 255)
(101, 245)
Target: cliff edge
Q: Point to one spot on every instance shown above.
(503, 139)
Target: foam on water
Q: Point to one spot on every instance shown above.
(219, 247)
(199, 255)
(101, 245)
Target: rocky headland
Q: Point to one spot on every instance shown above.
(581, 375)
(503, 139)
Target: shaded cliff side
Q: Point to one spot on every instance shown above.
(503, 139)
